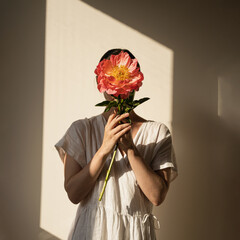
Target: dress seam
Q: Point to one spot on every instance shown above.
(92, 207)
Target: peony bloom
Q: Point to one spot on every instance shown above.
(119, 75)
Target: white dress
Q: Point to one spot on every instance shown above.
(124, 212)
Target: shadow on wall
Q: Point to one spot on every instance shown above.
(204, 202)
(22, 27)
(228, 138)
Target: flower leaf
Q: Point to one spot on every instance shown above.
(110, 105)
(140, 101)
(101, 104)
(128, 109)
(119, 109)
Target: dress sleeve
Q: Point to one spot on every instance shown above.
(72, 143)
(163, 153)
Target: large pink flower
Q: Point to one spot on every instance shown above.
(119, 75)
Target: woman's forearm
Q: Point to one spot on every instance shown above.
(151, 184)
(80, 184)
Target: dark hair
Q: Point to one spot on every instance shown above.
(116, 51)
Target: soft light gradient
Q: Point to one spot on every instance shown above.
(77, 35)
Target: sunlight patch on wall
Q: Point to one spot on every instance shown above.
(229, 99)
(77, 35)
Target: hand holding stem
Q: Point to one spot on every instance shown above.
(112, 133)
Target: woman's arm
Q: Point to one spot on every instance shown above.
(79, 181)
(154, 184)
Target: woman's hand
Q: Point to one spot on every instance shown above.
(113, 131)
(126, 142)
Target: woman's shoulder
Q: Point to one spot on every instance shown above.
(86, 123)
(80, 128)
(157, 128)
(152, 125)
(83, 121)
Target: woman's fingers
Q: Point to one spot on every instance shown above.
(113, 131)
(117, 119)
(120, 127)
(122, 132)
(112, 116)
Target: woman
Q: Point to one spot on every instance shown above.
(140, 177)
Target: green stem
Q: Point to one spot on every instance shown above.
(108, 173)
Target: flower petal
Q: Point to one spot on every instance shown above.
(133, 65)
(119, 75)
(107, 67)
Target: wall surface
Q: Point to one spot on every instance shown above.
(203, 202)
(77, 35)
(22, 30)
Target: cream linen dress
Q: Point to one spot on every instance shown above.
(124, 212)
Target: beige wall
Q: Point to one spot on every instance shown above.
(22, 31)
(77, 35)
(203, 203)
